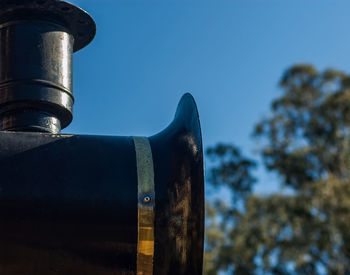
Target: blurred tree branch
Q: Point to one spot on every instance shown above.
(306, 140)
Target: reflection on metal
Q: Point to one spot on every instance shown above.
(75, 204)
(146, 200)
(70, 205)
(37, 41)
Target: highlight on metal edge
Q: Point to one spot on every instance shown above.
(77, 204)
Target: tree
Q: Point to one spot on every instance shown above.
(306, 140)
(233, 171)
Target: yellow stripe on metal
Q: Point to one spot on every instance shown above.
(146, 204)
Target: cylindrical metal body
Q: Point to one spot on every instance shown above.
(75, 204)
(87, 204)
(35, 76)
(37, 40)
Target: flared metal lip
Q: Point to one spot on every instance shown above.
(77, 21)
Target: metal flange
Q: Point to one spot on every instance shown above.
(77, 21)
(37, 40)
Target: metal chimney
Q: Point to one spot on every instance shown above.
(79, 204)
(37, 40)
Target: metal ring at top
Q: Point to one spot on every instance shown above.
(77, 21)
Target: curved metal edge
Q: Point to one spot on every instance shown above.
(83, 29)
(79, 23)
(179, 185)
(52, 100)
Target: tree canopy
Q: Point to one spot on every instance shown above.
(306, 141)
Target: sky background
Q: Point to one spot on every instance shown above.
(229, 54)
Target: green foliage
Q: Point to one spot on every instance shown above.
(306, 140)
(231, 170)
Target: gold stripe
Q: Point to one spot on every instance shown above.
(146, 203)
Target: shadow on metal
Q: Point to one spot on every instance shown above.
(69, 204)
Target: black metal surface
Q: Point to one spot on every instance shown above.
(37, 40)
(77, 21)
(179, 187)
(68, 204)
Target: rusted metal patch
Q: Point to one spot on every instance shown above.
(146, 204)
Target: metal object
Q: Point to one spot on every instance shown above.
(37, 40)
(146, 209)
(70, 205)
(74, 204)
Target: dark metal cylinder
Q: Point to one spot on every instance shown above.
(75, 204)
(35, 76)
(37, 41)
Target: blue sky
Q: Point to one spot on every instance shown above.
(229, 54)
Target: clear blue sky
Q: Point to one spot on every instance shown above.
(229, 54)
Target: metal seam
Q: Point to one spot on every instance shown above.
(42, 82)
(146, 204)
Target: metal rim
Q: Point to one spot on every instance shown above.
(78, 22)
